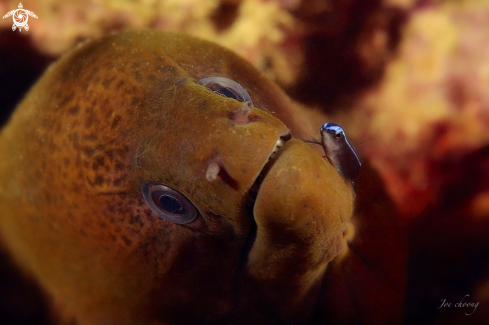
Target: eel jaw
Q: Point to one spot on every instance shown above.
(279, 144)
(273, 154)
(296, 230)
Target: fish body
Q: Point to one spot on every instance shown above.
(119, 134)
(339, 151)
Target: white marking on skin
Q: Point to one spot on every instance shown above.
(212, 170)
(241, 115)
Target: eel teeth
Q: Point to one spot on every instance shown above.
(278, 145)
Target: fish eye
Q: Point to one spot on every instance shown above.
(333, 129)
(226, 87)
(168, 204)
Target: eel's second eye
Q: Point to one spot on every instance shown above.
(168, 204)
(226, 87)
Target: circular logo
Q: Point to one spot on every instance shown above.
(20, 18)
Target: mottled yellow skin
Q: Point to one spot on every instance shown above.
(125, 110)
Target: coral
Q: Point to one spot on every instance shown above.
(256, 26)
(431, 108)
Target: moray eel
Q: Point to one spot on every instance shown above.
(140, 185)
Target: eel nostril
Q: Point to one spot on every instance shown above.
(240, 116)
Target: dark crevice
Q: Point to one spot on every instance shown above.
(21, 299)
(249, 208)
(224, 15)
(21, 66)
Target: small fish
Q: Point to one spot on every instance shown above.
(339, 151)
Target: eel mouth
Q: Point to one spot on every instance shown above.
(271, 159)
(253, 193)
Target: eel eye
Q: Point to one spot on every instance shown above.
(338, 135)
(226, 87)
(169, 204)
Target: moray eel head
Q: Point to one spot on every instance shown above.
(137, 190)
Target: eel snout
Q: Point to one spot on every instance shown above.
(302, 209)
